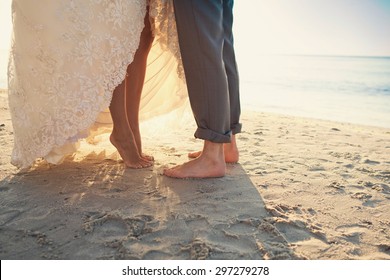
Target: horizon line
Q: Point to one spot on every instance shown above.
(328, 55)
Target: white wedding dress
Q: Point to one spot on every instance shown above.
(67, 57)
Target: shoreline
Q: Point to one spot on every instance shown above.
(246, 107)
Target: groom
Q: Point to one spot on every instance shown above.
(206, 43)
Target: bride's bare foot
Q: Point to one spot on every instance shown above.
(230, 151)
(129, 153)
(147, 157)
(137, 138)
(210, 164)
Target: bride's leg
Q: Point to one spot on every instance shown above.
(134, 83)
(122, 137)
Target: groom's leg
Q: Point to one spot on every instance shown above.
(201, 38)
(230, 149)
(229, 59)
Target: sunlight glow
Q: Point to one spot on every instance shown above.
(314, 27)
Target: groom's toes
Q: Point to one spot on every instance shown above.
(169, 172)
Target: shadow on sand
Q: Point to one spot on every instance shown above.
(97, 209)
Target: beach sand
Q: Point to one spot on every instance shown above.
(303, 189)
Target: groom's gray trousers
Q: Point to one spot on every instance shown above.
(206, 44)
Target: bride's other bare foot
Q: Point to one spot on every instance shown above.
(230, 151)
(129, 153)
(147, 157)
(134, 84)
(210, 164)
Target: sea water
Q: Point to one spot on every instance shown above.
(338, 88)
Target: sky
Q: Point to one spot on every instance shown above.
(5, 23)
(313, 27)
(298, 27)
(320, 27)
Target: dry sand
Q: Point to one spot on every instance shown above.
(304, 189)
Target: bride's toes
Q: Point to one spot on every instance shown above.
(146, 163)
(147, 157)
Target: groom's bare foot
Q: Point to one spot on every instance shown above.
(200, 167)
(210, 164)
(129, 153)
(230, 151)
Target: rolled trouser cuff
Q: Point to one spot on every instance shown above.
(212, 136)
(236, 128)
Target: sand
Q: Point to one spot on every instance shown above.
(303, 189)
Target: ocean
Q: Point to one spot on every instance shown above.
(339, 88)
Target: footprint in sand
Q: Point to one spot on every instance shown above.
(336, 185)
(383, 175)
(4, 189)
(197, 249)
(352, 233)
(361, 196)
(349, 156)
(111, 227)
(385, 248)
(32, 244)
(317, 167)
(8, 216)
(371, 162)
(295, 223)
(382, 188)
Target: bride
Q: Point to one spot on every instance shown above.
(71, 60)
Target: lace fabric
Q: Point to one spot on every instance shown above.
(66, 59)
